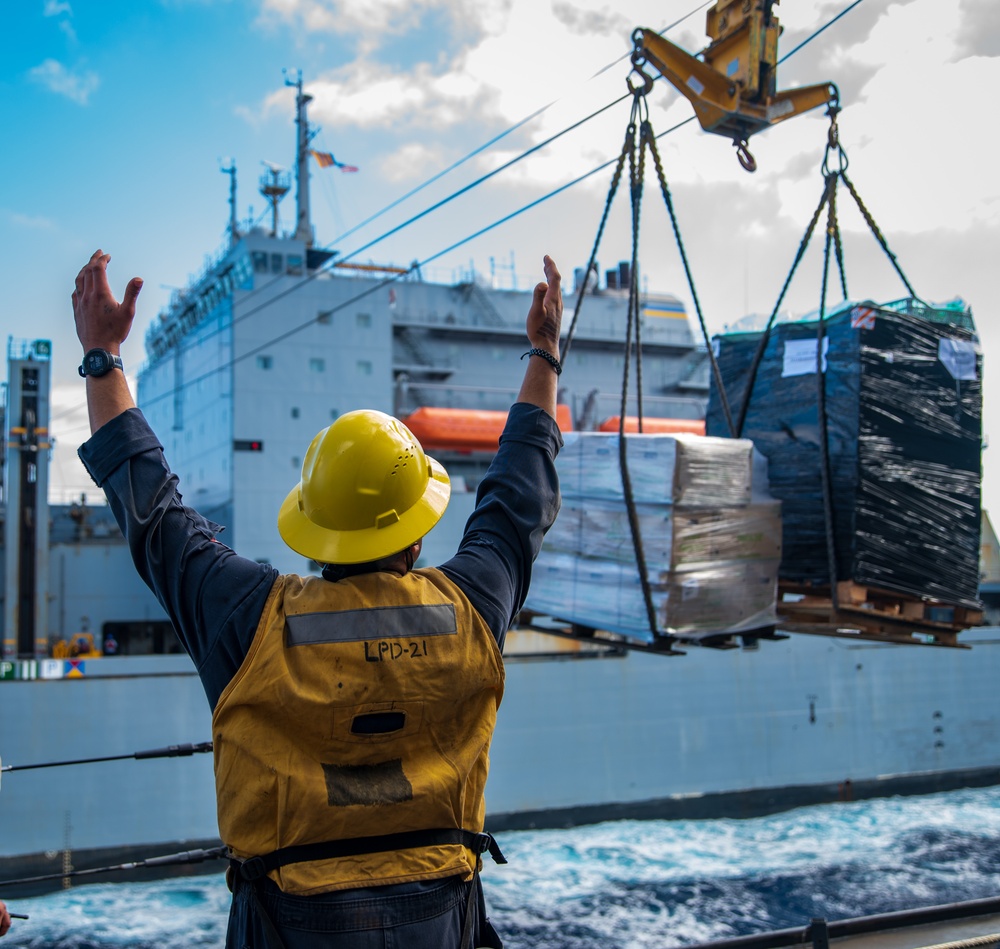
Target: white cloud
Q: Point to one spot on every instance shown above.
(412, 160)
(29, 221)
(62, 9)
(70, 427)
(57, 7)
(511, 53)
(979, 30)
(905, 94)
(57, 78)
(368, 22)
(369, 96)
(914, 128)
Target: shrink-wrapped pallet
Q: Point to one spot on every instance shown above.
(903, 395)
(693, 470)
(710, 533)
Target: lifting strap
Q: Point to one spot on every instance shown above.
(647, 140)
(831, 177)
(634, 149)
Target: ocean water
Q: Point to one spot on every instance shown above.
(627, 884)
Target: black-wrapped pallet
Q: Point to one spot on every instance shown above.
(904, 432)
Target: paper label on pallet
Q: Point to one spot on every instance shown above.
(800, 357)
(958, 356)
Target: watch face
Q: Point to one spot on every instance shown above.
(96, 363)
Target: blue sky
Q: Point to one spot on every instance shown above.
(118, 115)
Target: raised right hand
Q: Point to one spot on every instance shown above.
(101, 321)
(545, 314)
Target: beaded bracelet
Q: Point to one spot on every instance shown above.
(547, 356)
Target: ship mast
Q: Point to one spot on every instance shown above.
(303, 226)
(234, 231)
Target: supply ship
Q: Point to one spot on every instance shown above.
(272, 341)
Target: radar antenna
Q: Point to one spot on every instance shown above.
(275, 183)
(234, 231)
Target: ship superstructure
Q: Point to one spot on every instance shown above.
(277, 338)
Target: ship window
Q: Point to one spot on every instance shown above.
(259, 261)
(295, 411)
(276, 263)
(140, 638)
(265, 362)
(334, 414)
(296, 462)
(294, 264)
(317, 364)
(364, 367)
(325, 317)
(363, 320)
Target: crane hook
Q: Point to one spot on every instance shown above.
(747, 160)
(833, 146)
(638, 61)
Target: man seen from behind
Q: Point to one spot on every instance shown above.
(353, 712)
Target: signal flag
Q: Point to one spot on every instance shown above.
(326, 160)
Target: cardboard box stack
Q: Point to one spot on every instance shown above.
(711, 537)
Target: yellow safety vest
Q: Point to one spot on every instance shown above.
(363, 708)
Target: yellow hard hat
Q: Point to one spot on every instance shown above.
(367, 491)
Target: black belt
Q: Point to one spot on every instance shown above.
(256, 867)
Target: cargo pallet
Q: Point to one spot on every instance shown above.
(866, 612)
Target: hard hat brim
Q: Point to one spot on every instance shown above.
(373, 543)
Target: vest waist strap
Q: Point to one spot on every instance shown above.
(255, 868)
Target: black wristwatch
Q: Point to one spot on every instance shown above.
(99, 362)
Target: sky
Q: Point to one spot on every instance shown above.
(118, 117)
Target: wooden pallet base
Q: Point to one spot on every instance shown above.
(672, 645)
(865, 612)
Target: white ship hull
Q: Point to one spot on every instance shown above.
(579, 739)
